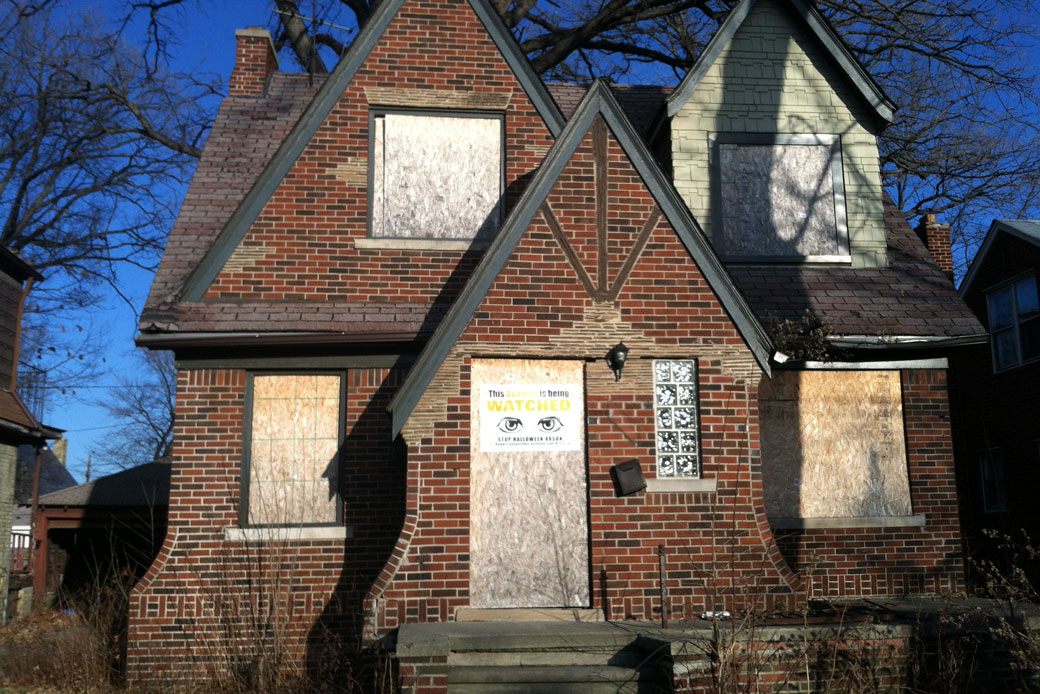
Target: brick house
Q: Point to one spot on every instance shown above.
(398, 298)
(994, 387)
(18, 425)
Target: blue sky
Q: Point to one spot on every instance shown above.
(207, 44)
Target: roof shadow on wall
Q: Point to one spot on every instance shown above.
(782, 193)
(373, 488)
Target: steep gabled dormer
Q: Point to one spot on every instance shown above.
(774, 141)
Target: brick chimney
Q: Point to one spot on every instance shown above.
(936, 237)
(255, 61)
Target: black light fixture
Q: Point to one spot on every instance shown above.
(616, 359)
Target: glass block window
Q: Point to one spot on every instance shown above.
(675, 418)
(291, 468)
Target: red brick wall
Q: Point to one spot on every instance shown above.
(897, 561)
(254, 62)
(202, 589)
(719, 549)
(431, 53)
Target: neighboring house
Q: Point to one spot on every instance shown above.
(995, 388)
(398, 298)
(18, 425)
(109, 528)
(53, 476)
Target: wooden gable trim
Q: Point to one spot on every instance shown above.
(870, 91)
(598, 101)
(322, 104)
(997, 227)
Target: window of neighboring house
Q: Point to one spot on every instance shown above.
(779, 198)
(292, 437)
(1014, 323)
(436, 176)
(994, 490)
(675, 418)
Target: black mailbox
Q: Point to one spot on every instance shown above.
(628, 477)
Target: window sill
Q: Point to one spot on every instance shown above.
(338, 532)
(674, 485)
(915, 521)
(419, 245)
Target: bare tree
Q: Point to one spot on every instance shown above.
(964, 144)
(96, 142)
(144, 404)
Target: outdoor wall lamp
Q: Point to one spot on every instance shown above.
(616, 359)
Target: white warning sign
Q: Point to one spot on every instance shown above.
(530, 417)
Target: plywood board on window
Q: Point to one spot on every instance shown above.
(833, 445)
(436, 177)
(528, 509)
(777, 200)
(294, 441)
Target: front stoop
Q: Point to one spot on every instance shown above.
(558, 657)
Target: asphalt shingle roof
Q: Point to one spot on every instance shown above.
(142, 485)
(910, 297)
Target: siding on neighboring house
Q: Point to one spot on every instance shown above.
(995, 412)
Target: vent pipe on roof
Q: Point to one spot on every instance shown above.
(936, 237)
(255, 62)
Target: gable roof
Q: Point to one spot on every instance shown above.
(141, 485)
(54, 475)
(642, 103)
(17, 423)
(13, 265)
(1027, 230)
(321, 106)
(911, 297)
(818, 27)
(598, 101)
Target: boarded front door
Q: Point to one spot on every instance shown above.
(528, 489)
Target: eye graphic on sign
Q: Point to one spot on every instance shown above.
(549, 424)
(510, 425)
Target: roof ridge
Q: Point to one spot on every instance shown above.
(322, 104)
(599, 100)
(870, 91)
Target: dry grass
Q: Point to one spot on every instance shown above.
(52, 652)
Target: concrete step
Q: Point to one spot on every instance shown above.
(556, 688)
(556, 657)
(631, 658)
(582, 673)
(601, 679)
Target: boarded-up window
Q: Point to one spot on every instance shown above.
(833, 445)
(291, 471)
(779, 197)
(436, 176)
(675, 418)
